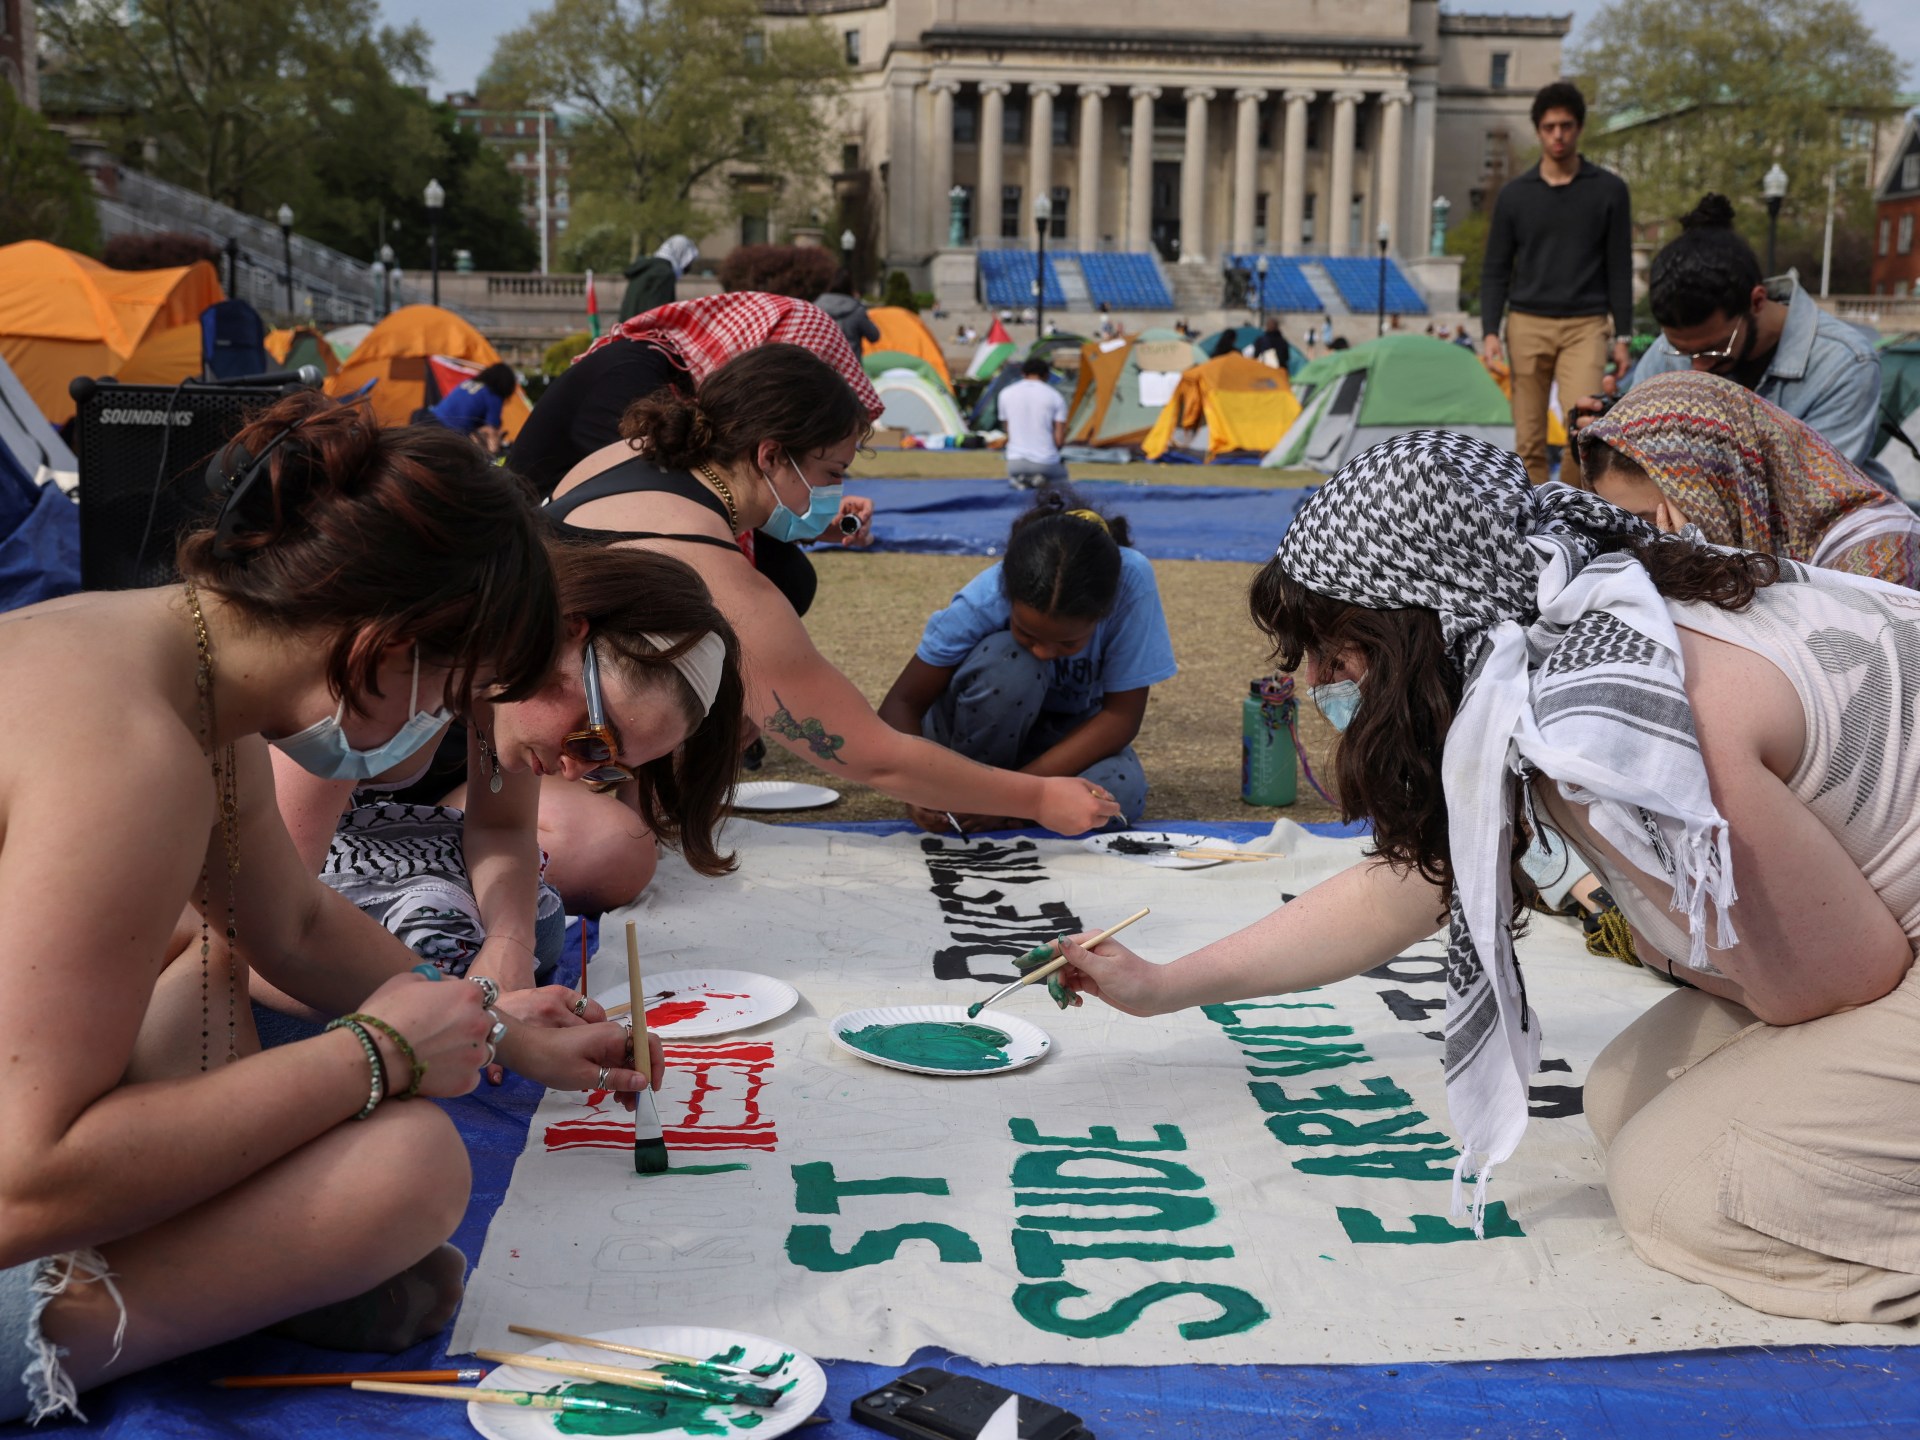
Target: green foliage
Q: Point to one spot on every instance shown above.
(801, 271)
(1725, 88)
(899, 291)
(562, 353)
(43, 194)
(1467, 238)
(676, 99)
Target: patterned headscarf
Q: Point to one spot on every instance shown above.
(705, 333)
(1572, 669)
(1753, 477)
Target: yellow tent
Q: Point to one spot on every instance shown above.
(396, 353)
(1242, 404)
(902, 330)
(63, 316)
(1503, 377)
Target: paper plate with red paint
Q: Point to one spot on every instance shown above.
(689, 1004)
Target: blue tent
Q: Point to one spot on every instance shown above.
(39, 525)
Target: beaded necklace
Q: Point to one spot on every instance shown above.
(222, 760)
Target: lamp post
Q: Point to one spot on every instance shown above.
(1774, 187)
(1384, 236)
(388, 273)
(1438, 244)
(1260, 283)
(847, 241)
(1042, 216)
(285, 218)
(435, 197)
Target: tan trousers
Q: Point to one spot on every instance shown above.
(1544, 352)
(1780, 1165)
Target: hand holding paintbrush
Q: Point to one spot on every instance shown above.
(1051, 960)
(649, 1141)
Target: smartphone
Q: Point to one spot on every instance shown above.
(929, 1404)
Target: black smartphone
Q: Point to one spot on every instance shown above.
(928, 1404)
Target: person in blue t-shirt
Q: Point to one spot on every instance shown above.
(1042, 663)
(473, 406)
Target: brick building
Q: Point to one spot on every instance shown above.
(534, 145)
(1896, 251)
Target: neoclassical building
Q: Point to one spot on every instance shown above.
(1194, 128)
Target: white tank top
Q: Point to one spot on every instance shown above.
(1852, 653)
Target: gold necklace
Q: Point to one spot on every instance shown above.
(222, 761)
(712, 477)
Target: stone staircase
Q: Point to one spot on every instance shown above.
(1195, 288)
(1322, 286)
(1073, 282)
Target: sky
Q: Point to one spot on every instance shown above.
(463, 31)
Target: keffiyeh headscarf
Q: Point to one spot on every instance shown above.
(1753, 477)
(703, 334)
(1571, 667)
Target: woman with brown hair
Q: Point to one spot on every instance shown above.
(164, 1183)
(762, 447)
(1686, 718)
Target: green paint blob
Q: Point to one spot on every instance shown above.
(706, 1169)
(935, 1045)
(646, 1414)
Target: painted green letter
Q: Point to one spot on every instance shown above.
(1363, 1227)
(816, 1192)
(1040, 1305)
(1170, 1212)
(811, 1246)
(1043, 1170)
(1165, 1137)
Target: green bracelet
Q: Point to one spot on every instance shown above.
(413, 1060)
(377, 1083)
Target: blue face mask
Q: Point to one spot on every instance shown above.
(823, 504)
(1337, 702)
(322, 748)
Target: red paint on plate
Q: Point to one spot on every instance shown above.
(672, 1012)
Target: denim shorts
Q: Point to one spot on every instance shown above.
(33, 1382)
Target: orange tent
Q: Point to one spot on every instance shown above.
(63, 316)
(902, 330)
(165, 357)
(397, 353)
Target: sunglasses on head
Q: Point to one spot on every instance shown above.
(596, 746)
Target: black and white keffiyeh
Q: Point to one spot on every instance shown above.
(1572, 668)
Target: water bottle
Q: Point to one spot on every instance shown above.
(1267, 775)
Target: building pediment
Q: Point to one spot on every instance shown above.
(948, 42)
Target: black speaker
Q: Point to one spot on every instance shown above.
(143, 452)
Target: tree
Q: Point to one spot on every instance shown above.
(43, 194)
(674, 99)
(1698, 95)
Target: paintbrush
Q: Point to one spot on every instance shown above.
(279, 1382)
(649, 1141)
(723, 1371)
(719, 1393)
(583, 959)
(1041, 952)
(525, 1399)
(1220, 855)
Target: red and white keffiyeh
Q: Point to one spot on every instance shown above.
(703, 334)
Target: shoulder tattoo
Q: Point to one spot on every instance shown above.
(809, 732)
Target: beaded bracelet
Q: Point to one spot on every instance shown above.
(413, 1060)
(377, 1083)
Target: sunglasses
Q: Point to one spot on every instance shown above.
(1725, 352)
(596, 745)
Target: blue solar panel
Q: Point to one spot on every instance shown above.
(1124, 280)
(1357, 278)
(1007, 278)
(1286, 287)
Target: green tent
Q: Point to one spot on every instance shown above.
(1900, 414)
(1122, 386)
(1355, 398)
(917, 400)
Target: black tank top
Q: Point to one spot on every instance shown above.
(637, 476)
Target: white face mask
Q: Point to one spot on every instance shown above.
(1337, 702)
(322, 748)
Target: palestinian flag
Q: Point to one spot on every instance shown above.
(593, 307)
(993, 352)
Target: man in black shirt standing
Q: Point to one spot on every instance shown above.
(1560, 266)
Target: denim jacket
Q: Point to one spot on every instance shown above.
(1824, 372)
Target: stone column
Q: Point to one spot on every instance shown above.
(1293, 174)
(1424, 115)
(940, 159)
(1086, 201)
(1193, 178)
(1140, 169)
(1246, 154)
(1039, 148)
(986, 199)
(1339, 205)
(1387, 208)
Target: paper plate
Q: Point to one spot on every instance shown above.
(686, 1004)
(1116, 845)
(1025, 1042)
(780, 795)
(503, 1422)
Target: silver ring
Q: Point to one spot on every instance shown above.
(489, 991)
(496, 1034)
(579, 1006)
(601, 1082)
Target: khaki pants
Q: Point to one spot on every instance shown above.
(1780, 1165)
(1544, 352)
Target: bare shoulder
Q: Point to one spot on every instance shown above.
(1744, 706)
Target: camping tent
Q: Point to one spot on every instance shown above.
(916, 401)
(345, 339)
(303, 345)
(397, 353)
(30, 448)
(904, 333)
(1123, 385)
(1245, 335)
(63, 316)
(1355, 398)
(165, 357)
(1226, 405)
(1900, 410)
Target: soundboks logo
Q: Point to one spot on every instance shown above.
(143, 417)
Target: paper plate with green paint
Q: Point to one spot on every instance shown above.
(776, 1366)
(940, 1039)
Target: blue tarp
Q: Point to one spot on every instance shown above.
(40, 558)
(1751, 1394)
(1170, 522)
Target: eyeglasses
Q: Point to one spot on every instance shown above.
(1725, 352)
(596, 745)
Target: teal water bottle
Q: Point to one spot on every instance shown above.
(1267, 775)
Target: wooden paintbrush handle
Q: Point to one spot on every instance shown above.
(1059, 961)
